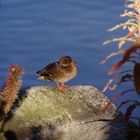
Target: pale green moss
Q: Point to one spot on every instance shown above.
(46, 108)
(2, 137)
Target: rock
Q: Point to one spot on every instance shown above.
(76, 114)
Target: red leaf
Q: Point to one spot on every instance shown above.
(107, 86)
(116, 66)
(109, 83)
(127, 101)
(129, 51)
(115, 97)
(121, 94)
(129, 111)
(126, 57)
(111, 55)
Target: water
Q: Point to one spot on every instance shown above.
(34, 33)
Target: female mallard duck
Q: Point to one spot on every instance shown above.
(59, 72)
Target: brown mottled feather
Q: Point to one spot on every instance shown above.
(61, 71)
(49, 71)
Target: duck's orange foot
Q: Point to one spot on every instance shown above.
(62, 88)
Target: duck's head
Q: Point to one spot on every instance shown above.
(66, 61)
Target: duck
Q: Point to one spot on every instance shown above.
(59, 72)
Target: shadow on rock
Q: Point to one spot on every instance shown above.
(10, 135)
(4, 119)
(36, 133)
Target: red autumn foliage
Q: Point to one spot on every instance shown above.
(126, 56)
(116, 97)
(134, 76)
(116, 66)
(125, 78)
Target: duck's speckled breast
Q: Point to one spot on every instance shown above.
(67, 74)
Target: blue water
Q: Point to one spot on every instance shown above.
(34, 33)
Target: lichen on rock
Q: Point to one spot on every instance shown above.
(48, 114)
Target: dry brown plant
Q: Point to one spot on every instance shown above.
(11, 87)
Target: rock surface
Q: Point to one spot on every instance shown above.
(76, 114)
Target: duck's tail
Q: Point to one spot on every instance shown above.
(43, 78)
(39, 72)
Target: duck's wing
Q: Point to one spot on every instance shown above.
(49, 69)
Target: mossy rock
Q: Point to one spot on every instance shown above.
(76, 114)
